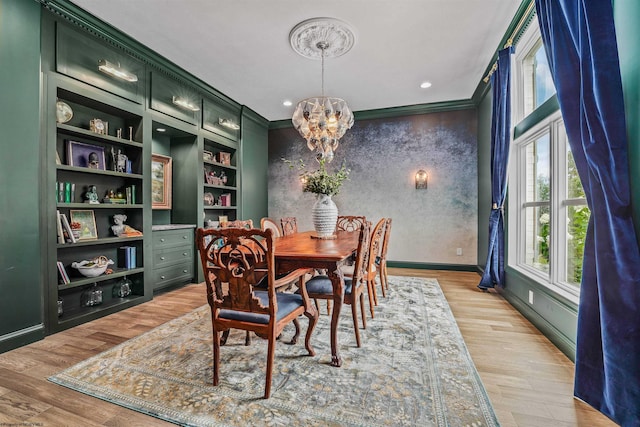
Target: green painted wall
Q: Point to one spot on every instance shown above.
(255, 152)
(21, 304)
(627, 16)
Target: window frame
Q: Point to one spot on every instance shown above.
(553, 125)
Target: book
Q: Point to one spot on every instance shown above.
(67, 192)
(73, 192)
(127, 257)
(64, 277)
(59, 228)
(66, 226)
(133, 194)
(60, 189)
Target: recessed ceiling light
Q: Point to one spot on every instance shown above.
(161, 129)
(425, 85)
(287, 103)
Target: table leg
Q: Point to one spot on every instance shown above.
(337, 280)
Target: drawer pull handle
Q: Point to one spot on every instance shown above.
(184, 254)
(185, 270)
(184, 237)
(162, 277)
(162, 258)
(162, 240)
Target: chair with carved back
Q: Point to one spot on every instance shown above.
(289, 225)
(269, 224)
(320, 286)
(371, 271)
(234, 261)
(381, 260)
(350, 222)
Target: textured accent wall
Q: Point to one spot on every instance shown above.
(384, 156)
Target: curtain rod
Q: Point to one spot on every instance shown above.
(509, 42)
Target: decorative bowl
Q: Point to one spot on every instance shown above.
(94, 267)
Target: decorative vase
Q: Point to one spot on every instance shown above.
(325, 215)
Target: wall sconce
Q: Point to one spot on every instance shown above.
(184, 103)
(228, 123)
(116, 71)
(421, 180)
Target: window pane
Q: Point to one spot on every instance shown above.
(537, 238)
(574, 185)
(537, 170)
(577, 221)
(538, 84)
(544, 87)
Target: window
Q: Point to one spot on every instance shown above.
(548, 213)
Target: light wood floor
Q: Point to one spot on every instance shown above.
(528, 380)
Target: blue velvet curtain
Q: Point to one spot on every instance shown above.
(579, 38)
(500, 140)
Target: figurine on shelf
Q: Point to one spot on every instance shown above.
(119, 161)
(91, 195)
(121, 229)
(223, 178)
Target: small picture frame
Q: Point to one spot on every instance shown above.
(85, 155)
(161, 172)
(207, 156)
(99, 126)
(87, 221)
(224, 158)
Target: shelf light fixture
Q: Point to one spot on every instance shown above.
(185, 103)
(116, 71)
(228, 123)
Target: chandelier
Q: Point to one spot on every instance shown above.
(322, 120)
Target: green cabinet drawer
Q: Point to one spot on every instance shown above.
(172, 238)
(172, 256)
(182, 273)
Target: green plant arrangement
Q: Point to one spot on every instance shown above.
(320, 181)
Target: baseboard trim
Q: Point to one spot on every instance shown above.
(22, 337)
(432, 266)
(563, 343)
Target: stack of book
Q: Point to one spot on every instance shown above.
(127, 257)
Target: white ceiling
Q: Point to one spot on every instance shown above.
(241, 47)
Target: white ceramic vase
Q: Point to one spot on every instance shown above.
(325, 215)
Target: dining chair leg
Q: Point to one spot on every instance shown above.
(328, 307)
(294, 340)
(384, 292)
(313, 320)
(271, 351)
(247, 338)
(373, 287)
(354, 314)
(364, 317)
(315, 301)
(216, 357)
(370, 294)
(225, 335)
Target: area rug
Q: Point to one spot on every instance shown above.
(413, 369)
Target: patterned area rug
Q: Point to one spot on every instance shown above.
(413, 369)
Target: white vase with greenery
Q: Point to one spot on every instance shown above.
(324, 185)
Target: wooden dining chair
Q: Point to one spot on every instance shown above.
(381, 260)
(269, 224)
(350, 222)
(234, 261)
(371, 270)
(289, 225)
(320, 286)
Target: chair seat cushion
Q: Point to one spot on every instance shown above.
(287, 303)
(322, 285)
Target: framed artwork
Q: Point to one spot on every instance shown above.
(85, 155)
(160, 181)
(87, 222)
(207, 156)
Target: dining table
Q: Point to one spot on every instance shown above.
(306, 250)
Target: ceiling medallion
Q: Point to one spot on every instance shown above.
(337, 35)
